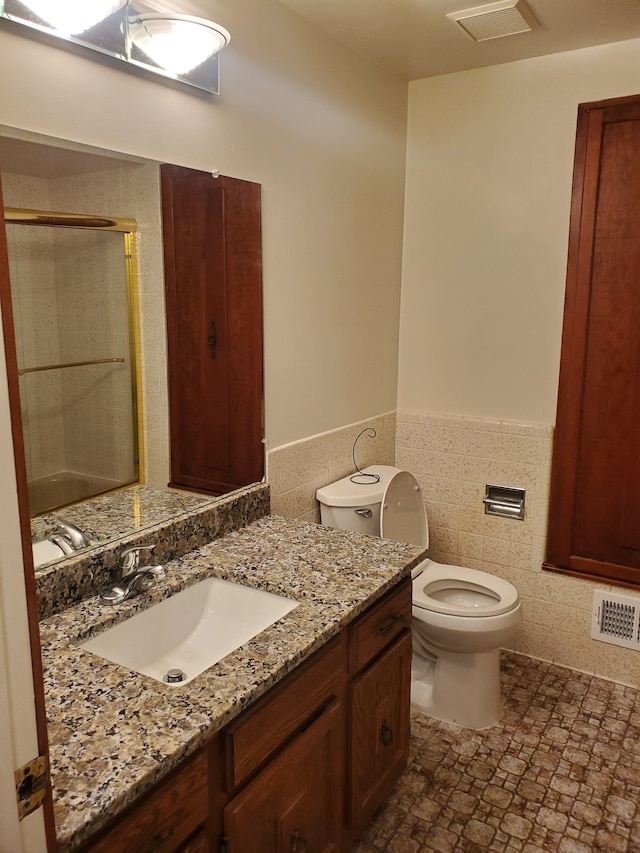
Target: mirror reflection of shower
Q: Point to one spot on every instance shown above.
(73, 304)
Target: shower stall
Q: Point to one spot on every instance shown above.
(73, 293)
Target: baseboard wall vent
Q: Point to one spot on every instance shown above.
(616, 619)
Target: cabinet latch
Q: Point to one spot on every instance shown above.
(31, 785)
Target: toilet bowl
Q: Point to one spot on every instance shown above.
(461, 616)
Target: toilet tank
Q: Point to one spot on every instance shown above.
(355, 506)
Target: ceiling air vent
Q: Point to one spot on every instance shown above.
(616, 619)
(495, 20)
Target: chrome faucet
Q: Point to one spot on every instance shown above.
(72, 534)
(135, 578)
(63, 542)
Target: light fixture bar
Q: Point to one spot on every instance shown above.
(180, 47)
(73, 17)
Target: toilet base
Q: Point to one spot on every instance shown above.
(458, 688)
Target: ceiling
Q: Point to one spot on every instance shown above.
(415, 39)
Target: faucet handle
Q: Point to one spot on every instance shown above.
(130, 557)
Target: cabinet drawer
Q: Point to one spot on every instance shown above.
(381, 624)
(288, 707)
(167, 816)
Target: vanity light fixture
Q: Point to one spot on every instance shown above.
(180, 47)
(177, 43)
(72, 17)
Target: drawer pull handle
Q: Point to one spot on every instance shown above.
(386, 733)
(298, 844)
(212, 340)
(389, 625)
(159, 839)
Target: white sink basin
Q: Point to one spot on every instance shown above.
(44, 552)
(192, 630)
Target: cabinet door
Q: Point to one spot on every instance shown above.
(594, 521)
(213, 279)
(295, 804)
(379, 729)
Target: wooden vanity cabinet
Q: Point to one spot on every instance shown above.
(305, 767)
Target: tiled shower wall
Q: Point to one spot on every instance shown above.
(132, 191)
(453, 458)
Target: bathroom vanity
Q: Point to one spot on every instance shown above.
(287, 744)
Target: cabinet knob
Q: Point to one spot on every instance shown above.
(386, 733)
(159, 839)
(298, 844)
(389, 624)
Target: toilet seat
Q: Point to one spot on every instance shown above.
(403, 517)
(458, 591)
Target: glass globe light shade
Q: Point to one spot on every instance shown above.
(177, 43)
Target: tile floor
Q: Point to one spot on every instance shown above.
(559, 772)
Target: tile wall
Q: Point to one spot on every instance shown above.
(295, 471)
(453, 458)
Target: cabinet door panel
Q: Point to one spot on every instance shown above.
(379, 730)
(295, 804)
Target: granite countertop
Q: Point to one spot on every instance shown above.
(114, 732)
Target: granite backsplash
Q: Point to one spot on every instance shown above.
(181, 529)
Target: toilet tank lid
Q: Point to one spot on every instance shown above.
(345, 492)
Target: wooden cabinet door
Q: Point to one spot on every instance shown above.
(594, 522)
(295, 804)
(379, 731)
(213, 279)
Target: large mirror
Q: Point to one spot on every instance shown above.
(45, 174)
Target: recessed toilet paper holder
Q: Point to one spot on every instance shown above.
(504, 501)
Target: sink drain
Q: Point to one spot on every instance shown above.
(175, 676)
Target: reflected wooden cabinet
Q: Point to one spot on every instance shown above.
(213, 283)
(304, 768)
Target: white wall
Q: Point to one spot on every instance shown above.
(323, 131)
(489, 170)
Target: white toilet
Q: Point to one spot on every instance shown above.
(461, 616)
